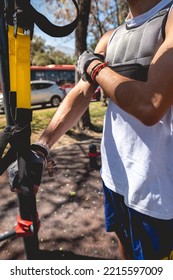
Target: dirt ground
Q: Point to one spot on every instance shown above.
(70, 207)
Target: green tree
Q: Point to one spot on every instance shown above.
(37, 46)
(102, 18)
(80, 35)
(80, 46)
(96, 17)
(42, 54)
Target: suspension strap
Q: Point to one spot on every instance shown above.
(23, 7)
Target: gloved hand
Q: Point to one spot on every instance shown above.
(37, 165)
(43, 150)
(39, 158)
(84, 61)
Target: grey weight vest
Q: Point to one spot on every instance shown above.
(130, 50)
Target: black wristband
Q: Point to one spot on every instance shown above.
(39, 148)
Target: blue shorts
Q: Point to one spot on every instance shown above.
(144, 237)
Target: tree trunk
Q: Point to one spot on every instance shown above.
(81, 30)
(80, 47)
(122, 11)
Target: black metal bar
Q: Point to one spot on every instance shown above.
(27, 202)
(27, 209)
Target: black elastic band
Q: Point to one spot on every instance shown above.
(53, 30)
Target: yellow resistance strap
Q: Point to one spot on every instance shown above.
(19, 64)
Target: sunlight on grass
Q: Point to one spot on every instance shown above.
(97, 112)
(42, 117)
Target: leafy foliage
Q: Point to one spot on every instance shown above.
(42, 54)
(96, 17)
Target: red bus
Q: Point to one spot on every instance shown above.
(64, 75)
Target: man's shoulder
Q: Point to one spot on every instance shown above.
(108, 34)
(102, 44)
(169, 23)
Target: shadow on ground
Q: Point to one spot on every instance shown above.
(70, 207)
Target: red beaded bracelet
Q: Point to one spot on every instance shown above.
(97, 69)
(92, 71)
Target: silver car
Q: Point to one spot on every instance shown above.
(46, 92)
(43, 92)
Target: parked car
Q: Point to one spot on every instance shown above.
(46, 92)
(43, 92)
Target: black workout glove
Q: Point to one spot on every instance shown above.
(43, 150)
(84, 61)
(39, 159)
(37, 163)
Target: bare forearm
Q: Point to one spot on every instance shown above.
(143, 100)
(68, 113)
(130, 95)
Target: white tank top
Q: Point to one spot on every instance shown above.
(137, 160)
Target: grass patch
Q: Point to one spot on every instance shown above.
(97, 112)
(42, 117)
(39, 121)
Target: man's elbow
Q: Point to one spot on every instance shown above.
(149, 121)
(151, 117)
